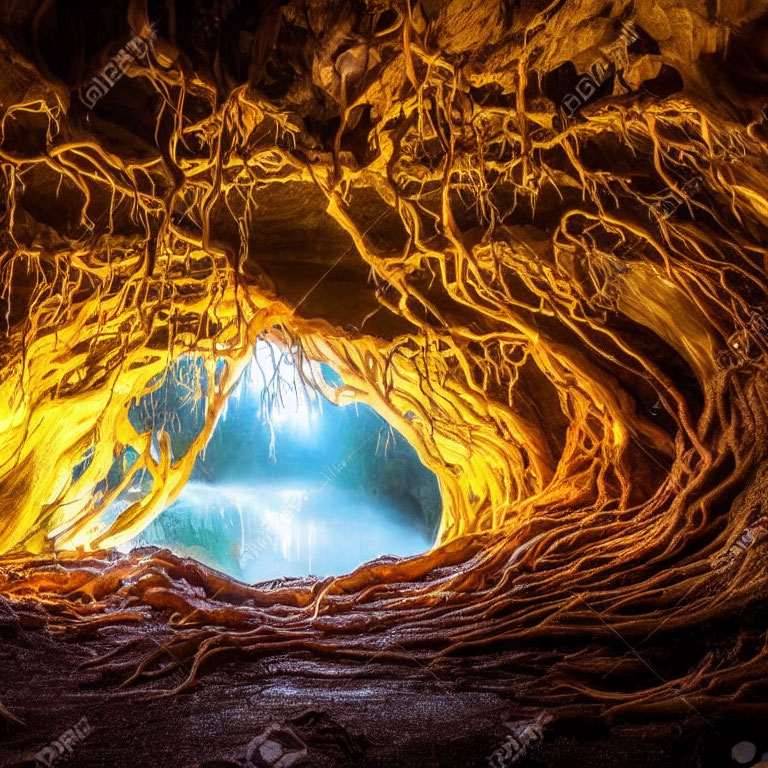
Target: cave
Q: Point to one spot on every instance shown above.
(526, 239)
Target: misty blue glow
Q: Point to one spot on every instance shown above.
(289, 484)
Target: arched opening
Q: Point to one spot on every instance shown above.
(290, 484)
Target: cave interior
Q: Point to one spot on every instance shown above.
(516, 254)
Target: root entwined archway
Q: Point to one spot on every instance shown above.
(564, 313)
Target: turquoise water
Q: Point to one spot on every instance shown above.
(289, 484)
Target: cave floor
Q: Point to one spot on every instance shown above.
(395, 717)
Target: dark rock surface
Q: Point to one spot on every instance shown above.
(393, 717)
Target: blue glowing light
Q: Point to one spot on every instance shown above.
(291, 484)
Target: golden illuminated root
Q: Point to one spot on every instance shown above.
(574, 340)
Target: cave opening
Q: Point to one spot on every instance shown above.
(290, 484)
